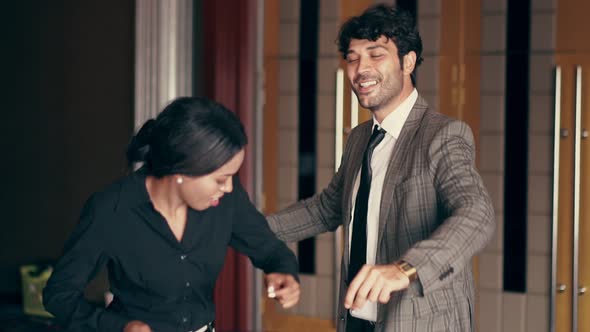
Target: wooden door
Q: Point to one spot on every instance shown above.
(571, 228)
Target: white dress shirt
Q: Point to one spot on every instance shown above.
(392, 124)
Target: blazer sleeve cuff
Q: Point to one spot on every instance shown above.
(428, 273)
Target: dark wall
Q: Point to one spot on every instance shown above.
(65, 120)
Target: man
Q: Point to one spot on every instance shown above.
(413, 206)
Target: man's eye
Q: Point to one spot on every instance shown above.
(351, 60)
(376, 56)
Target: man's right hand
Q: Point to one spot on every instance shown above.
(137, 326)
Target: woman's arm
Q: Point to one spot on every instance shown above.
(252, 236)
(83, 257)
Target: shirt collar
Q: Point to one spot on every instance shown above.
(133, 191)
(394, 122)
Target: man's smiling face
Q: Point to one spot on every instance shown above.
(375, 72)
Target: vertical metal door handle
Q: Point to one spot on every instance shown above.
(339, 125)
(557, 132)
(337, 158)
(577, 173)
(354, 110)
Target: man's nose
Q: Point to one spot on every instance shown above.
(364, 65)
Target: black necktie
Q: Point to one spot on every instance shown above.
(358, 246)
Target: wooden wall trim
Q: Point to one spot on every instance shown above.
(460, 53)
(460, 71)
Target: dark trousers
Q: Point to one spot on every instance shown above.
(354, 324)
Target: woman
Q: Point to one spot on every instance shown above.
(163, 231)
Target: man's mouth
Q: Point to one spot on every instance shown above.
(366, 86)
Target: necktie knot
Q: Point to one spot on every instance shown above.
(376, 138)
(378, 130)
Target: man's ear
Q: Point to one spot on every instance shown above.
(409, 62)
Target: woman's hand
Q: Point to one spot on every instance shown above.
(137, 326)
(284, 288)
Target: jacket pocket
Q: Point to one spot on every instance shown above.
(433, 312)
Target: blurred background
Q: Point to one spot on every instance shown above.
(79, 77)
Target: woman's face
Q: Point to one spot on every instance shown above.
(202, 192)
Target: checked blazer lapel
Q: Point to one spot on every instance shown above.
(395, 173)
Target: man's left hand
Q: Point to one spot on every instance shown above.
(375, 283)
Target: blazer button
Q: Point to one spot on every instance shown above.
(342, 318)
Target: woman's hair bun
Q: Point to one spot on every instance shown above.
(139, 146)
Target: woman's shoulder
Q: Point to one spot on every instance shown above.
(121, 190)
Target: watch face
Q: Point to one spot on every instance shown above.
(408, 270)
(405, 266)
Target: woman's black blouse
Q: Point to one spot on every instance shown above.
(155, 278)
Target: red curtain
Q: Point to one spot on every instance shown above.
(228, 78)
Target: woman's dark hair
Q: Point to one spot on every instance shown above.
(192, 136)
(382, 20)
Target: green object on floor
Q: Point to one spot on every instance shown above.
(34, 278)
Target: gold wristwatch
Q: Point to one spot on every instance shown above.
(408, 270)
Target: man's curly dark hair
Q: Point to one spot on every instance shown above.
(382, 20)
